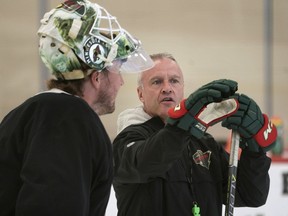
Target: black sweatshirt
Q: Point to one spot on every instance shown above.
(162, 170)
(55, 159)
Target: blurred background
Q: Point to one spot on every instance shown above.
(242, 40)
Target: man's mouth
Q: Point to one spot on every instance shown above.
(167, 99)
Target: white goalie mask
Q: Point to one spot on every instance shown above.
(86, 31)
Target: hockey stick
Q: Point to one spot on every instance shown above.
(233, 162)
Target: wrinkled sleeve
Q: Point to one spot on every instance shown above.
(252, 185)
(140, 154)
(253, 178)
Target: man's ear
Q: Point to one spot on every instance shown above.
(140, 93)
(95, 78)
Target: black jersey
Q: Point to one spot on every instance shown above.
(162, 170)
(55, 159)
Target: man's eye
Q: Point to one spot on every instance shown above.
(156, 82)
(174, 81)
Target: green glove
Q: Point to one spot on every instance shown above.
(189, 114)
(256, 131)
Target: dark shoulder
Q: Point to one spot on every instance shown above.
(56, 106)
(58, 100)
(145, 128)
(62, 103)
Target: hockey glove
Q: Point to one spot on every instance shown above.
(195, 115)
(256, 131)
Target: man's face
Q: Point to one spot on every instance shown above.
(162, 87)
(110, 86)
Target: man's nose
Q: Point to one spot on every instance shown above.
(167, 88)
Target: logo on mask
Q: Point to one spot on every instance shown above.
(94, 49)
(203, 159)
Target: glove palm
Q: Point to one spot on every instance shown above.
(185, 115)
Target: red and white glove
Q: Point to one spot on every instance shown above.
(204, 107)
(256, 130)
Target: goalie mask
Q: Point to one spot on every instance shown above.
(78, 32)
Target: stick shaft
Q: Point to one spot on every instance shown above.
(232, 169)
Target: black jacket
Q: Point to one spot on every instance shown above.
(55, 159)
(163, 171)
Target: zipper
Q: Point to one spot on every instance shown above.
(189, 174)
